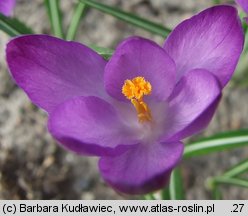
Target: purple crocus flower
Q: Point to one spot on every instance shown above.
(244, 5)
(134, 110)
(7, 6)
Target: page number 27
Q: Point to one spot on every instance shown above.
(237, 207)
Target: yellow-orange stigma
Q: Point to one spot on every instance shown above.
(134, 90)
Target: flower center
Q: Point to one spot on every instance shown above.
(134, 90)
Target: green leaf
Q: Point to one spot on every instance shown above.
(238, 169)
(78, 12)
(13, 27)
(228, 178)
(219, 142)
(240, 77)
(149, 197)
(55, 17)
(211, 185)
(216, 193)
(176, 185)
(165, 194)
(232, 181)
(242, 15)
(129, 18)
(216, 2)
(104, 52)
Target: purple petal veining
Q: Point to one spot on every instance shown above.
(212, 40)
(138, 138)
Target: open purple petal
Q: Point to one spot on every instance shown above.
(142, 169)
(51, 70)
(212, 40)
(243, 4)
(140, 57)
(7, 6)
(91, 126)
(192, 104)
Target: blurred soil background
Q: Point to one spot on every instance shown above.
(33, 166)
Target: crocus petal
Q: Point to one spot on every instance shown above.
(142, 169)
(91, 126)
(7, 6)
(140, 57)
(192, 104)
(51, 70)
(243, 4)
(212, 40)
